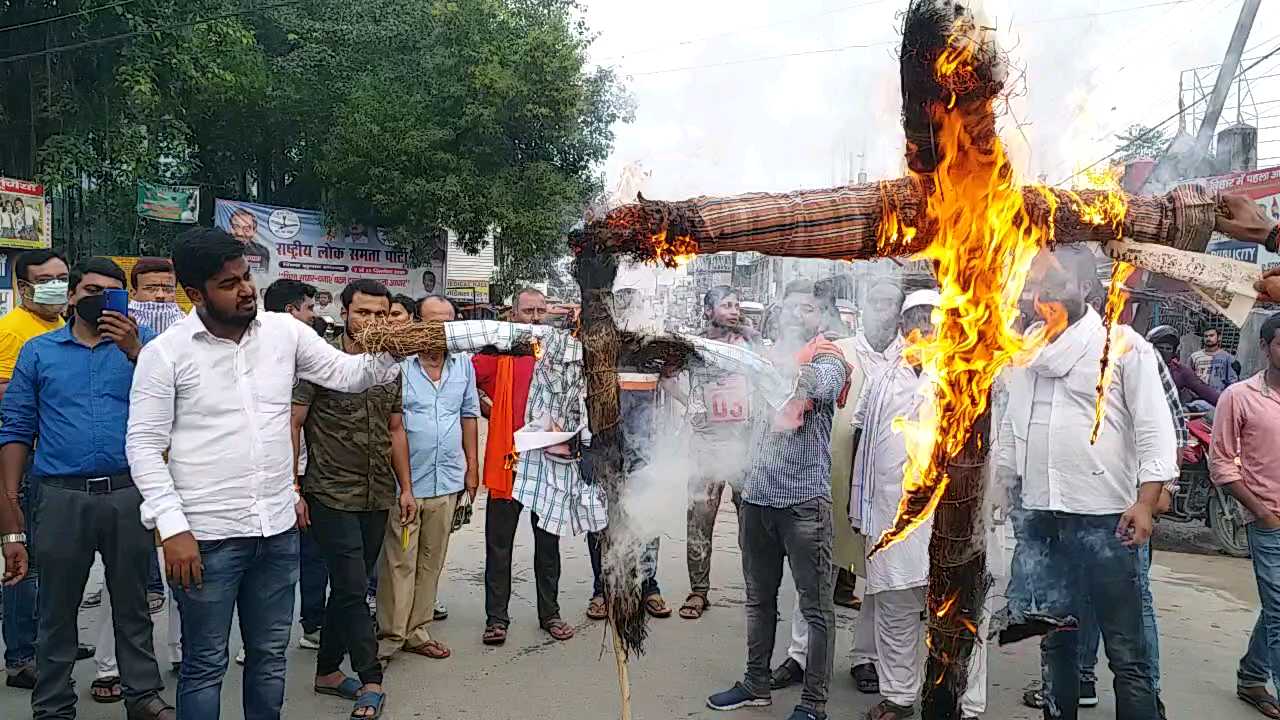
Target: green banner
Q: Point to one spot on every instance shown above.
(169, 203)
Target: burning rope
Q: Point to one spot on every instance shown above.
(1117, 295)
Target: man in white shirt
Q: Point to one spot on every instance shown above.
(214, 391)
(1089, 506)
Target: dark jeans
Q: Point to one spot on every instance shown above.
(802, 535)
(1262, 659)
(258, 577)
(648, 564)
(1090, 635)
(88, 524)
(21, 616)
(704, 505)
(351, 542)
(313, 583)
(154, 584)
(501, 517)
(1087, 565)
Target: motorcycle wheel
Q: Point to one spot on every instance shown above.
(1227, 530)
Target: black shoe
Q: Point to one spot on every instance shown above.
(1088, 695)
(866, 679)
(24, 678)
(788, 673)
(84, 652)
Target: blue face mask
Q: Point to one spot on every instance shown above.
(51, 292)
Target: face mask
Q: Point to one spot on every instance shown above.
(52, 292)
(89, 308)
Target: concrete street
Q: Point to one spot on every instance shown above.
(1207, 605)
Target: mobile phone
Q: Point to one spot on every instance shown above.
(116, 300)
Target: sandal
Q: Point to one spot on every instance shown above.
(885, 710)
(494, 634)
(559, 629)
(111, 684)
(866, 678)
(348, 689)
(431, 649)
(694, 606)
(656, 606)
(153, 708)
(370, 700)
(596, 609)
(1262, 701)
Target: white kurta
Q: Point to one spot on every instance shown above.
(881, 457)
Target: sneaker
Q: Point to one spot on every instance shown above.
(240, 657)
(309, 640)
(441, 611)
(155, 602)
(1088, 695)
(736, 697)
(1033, 696)
(372, 601)
(23, 678)
(802, 713)
(84, 652)
(786, 674)
(92, 600)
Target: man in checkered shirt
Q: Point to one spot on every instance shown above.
(786, 512)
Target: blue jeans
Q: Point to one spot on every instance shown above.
(1262, 659)
(1088, 565)
(648, 566)
(21, 617)
(155, 586)
(257, 576)
(313, 585)
(1020, 593)
(1090, 635)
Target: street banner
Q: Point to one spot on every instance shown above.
(24, 215)
(295, 244)
(169, 203)
(1263, 186)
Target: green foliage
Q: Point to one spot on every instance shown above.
(1140, 141)
(475, 115)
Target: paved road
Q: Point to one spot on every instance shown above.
(1207, 605)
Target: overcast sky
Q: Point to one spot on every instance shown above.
(1093, 67)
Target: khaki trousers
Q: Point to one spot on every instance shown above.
(407, 578)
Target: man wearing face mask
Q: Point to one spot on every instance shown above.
(153, 298)
(1088, 506)
(70, 388)
(42, 293)
(786, 509)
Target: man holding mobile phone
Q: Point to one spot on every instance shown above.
(70, 387)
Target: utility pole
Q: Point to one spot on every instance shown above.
(1226, 73)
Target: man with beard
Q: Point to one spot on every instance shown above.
(1087, 506)
(357, 470)
(70, 388)
(214, 391)
(876, 347)
(786, 510)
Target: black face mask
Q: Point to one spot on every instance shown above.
(89, 308)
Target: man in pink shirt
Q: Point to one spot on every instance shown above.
(1245, 460)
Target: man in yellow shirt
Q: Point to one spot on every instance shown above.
(42, 291)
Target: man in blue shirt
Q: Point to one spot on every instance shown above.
(70, 388)
(441, 411)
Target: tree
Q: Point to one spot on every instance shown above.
(1140, 141)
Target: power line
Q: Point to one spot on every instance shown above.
(149, 31)
(68, 16)
(1146, 135)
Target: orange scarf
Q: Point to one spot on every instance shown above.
(499, 450)
(791, 415)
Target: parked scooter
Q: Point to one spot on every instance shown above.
(1198, 500)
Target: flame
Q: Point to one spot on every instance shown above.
(536, 346)
(1117, 340)
(675, 253)
(946, 606)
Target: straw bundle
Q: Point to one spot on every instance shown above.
(404, 340)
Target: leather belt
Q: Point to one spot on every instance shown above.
(100, 485)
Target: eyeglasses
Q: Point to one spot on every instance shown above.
(159, 288)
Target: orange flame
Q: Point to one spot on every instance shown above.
(675, 253)
(536, 346)
(982, 251)
(1117, 296)
(946, 606)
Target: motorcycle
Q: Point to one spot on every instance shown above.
(1199, 500)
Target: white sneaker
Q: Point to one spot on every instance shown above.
(309, 641)
(240, 657)
(441, 611)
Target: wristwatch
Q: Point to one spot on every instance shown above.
(13, 538)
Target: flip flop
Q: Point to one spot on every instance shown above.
(494, 635)
(348, 689)
(596, 609)
(430, 649)
(374, 700)
(112, 684)
(559, 629)
(1264, 702)
(656, 606)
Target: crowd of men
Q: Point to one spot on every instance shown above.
(256, 458)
